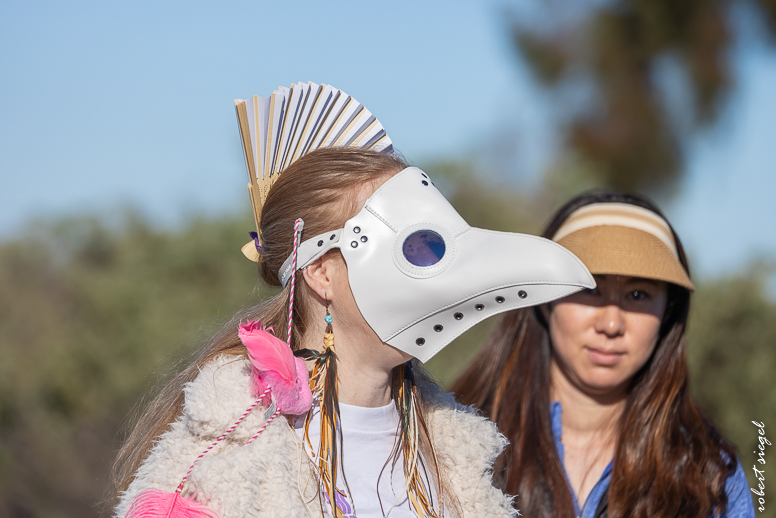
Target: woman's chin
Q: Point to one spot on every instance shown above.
(603, 384)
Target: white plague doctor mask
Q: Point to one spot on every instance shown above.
(419, 273)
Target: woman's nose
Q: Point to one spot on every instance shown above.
(610, 321)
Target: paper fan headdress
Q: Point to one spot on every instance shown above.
(277, 130)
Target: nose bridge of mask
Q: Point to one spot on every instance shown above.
(410, 198)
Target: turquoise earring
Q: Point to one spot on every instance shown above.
(328, 337)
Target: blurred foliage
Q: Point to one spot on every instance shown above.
(88, 315)
(92, 315)
(732, 357)
(614, 55)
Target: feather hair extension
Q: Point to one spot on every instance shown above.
(407, 447)
(323, 384)
(275, 366)
(276, 131)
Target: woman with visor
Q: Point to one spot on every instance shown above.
(313, 403)
(592, 390)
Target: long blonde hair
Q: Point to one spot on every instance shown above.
(319, 188)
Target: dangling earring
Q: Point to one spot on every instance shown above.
(328, 336)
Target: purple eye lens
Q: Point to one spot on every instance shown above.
(424, 248)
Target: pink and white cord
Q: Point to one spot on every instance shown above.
(298, 225)
(265, 425)
(230, 430)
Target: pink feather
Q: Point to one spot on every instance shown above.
(154, 503)
(274, 365)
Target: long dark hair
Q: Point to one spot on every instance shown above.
(669, 459)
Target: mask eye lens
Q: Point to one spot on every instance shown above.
(424, 248)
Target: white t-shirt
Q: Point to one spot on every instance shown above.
(368, 436)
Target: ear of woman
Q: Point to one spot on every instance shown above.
(319, 277)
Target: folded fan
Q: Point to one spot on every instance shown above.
(277, 130)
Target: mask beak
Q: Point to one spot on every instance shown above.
(492, 272)
(542, 269)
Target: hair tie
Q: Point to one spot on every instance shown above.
(255, 236)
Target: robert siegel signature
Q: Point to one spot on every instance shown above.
(760, 474)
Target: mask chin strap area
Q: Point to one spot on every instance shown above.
(309, 251)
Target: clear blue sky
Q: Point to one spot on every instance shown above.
(108, 104)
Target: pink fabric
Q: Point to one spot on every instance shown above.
(274, 366)
(154, 503)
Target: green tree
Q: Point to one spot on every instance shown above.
(630, 127)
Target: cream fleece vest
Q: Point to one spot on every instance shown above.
(271, 477)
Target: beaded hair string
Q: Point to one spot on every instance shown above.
(323, 384)
(412, 432)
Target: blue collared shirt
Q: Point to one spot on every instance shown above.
(737, 489)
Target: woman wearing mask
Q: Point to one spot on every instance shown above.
(592, 390)
(374, 266)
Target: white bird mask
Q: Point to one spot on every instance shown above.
(421, 275)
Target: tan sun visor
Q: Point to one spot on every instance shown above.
(623, 239)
